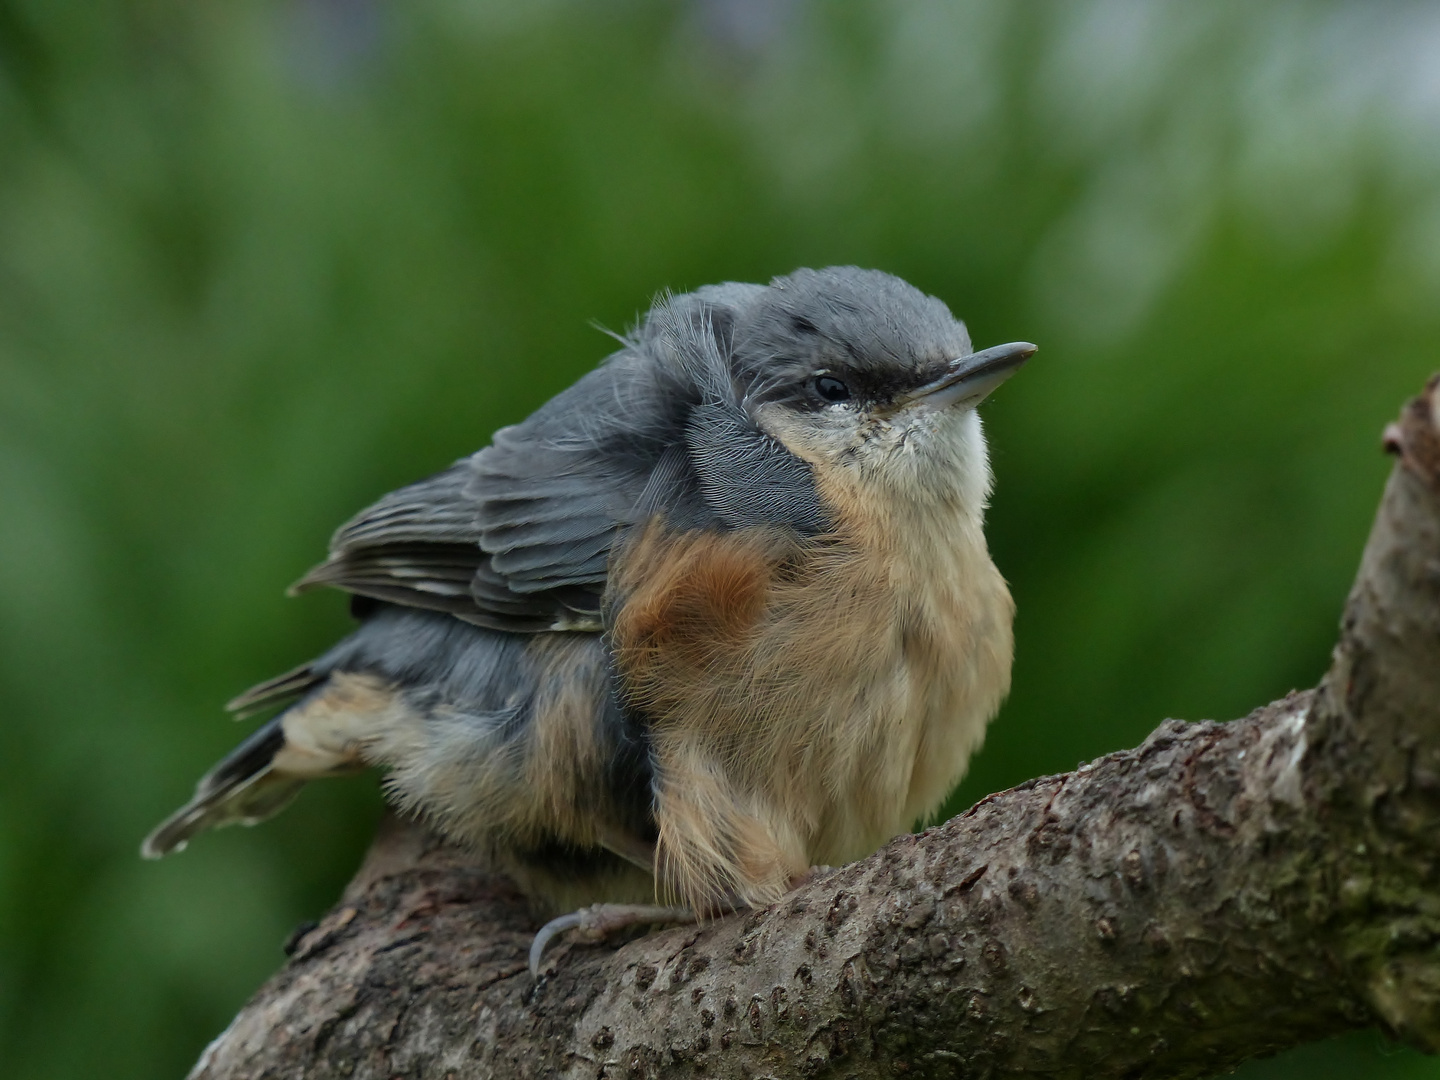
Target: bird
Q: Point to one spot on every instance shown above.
(719, 613)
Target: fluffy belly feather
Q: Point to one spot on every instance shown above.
(808, 699)
(944, 667)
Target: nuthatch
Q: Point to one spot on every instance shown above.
(719, 612)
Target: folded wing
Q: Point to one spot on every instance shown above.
(517, 536)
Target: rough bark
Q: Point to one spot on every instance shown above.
(1219, 892)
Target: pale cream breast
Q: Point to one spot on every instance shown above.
(944, 672)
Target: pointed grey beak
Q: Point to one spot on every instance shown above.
(971, 378)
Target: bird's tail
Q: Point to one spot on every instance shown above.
(309, 739)
(243, 788)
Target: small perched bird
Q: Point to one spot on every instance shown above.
(719, 612)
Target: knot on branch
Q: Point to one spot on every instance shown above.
(1415, 437)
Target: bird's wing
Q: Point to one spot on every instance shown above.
(517, 536)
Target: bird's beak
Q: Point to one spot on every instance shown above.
(970, 378)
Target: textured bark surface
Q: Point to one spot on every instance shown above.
(1219, 892)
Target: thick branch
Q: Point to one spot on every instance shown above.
(1222, 891)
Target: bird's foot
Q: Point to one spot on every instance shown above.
(599, 921)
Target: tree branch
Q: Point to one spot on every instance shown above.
(1219, 892)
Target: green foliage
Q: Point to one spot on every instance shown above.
(260, 262)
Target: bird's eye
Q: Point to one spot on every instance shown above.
(831, 388)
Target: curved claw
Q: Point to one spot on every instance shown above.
(548, 933)
(597, 921)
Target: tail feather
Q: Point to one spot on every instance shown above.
(242, 789)
(322, 734)
(277, 691)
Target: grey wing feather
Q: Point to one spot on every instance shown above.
(422, 547)
(429, 512)
(551, 494)
(518, 536)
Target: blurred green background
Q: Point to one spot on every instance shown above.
(263, 261)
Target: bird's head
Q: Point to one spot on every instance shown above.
(869, 380)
